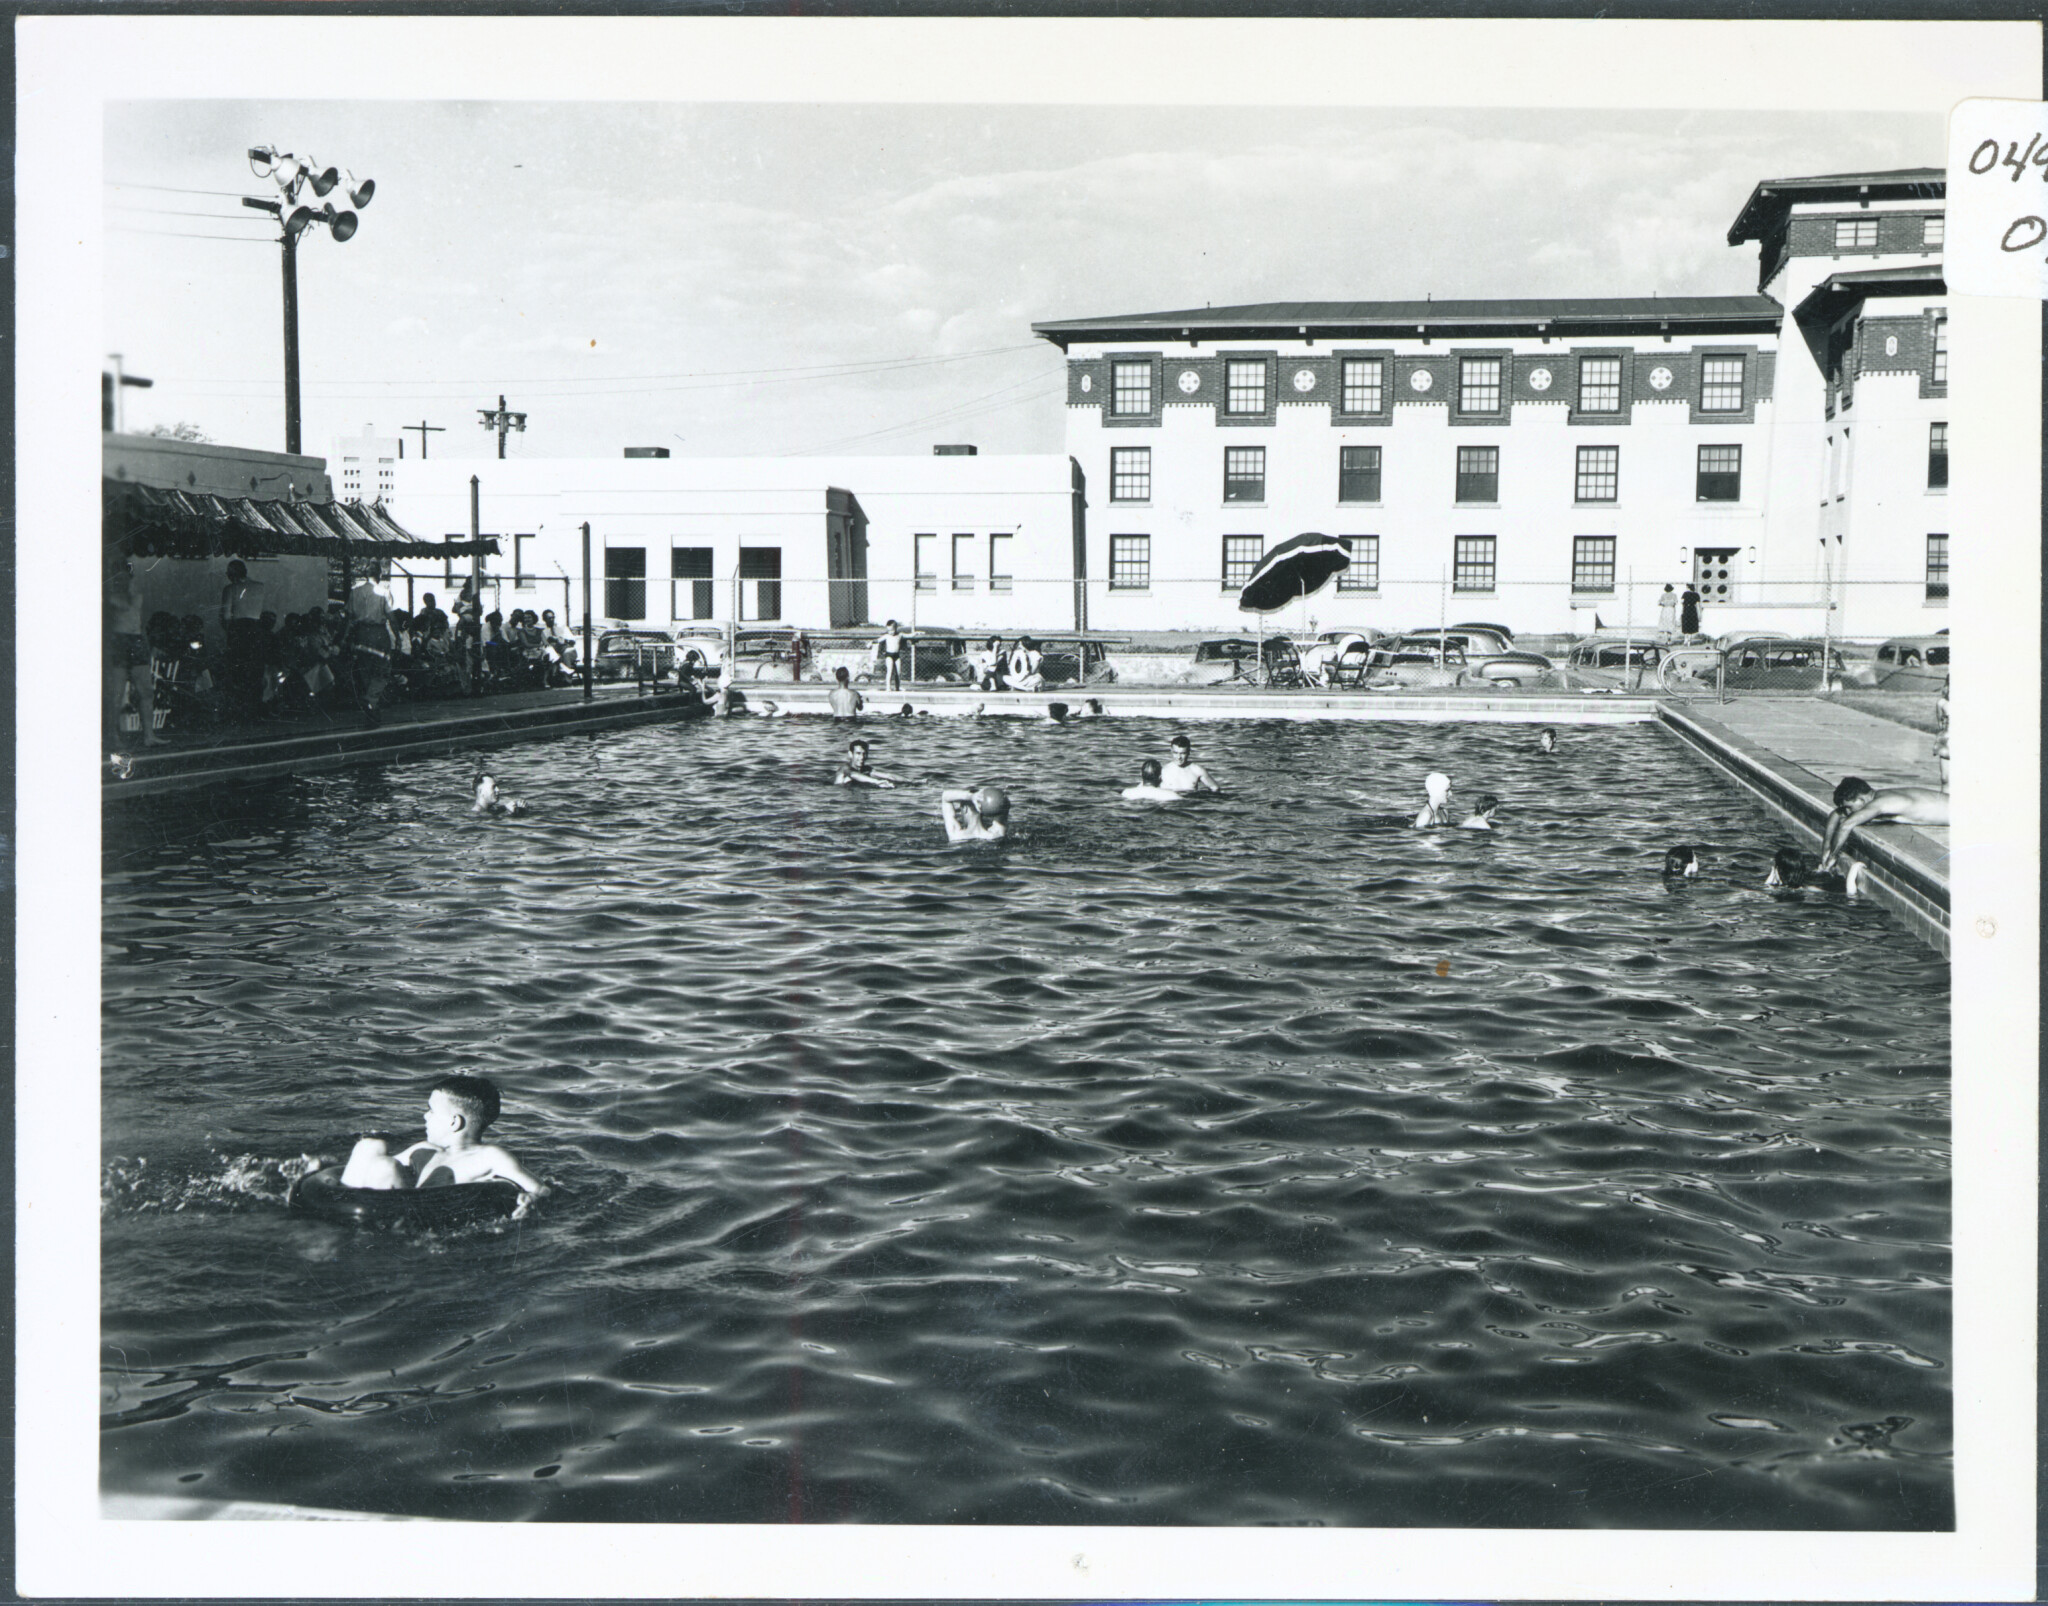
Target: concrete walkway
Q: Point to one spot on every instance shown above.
(1790, 751)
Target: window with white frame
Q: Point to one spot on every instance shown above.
(1358, 473)
(1364, 573)
(1599, 384)
(1593, 565)
(1363, 384)
(1940, 375)
(963, 562)
(625, 582)
(1130, 562)
(1244, 387)
(1719, 477)
(1599, 477)
(1937, 568)
(1130, 391)
(1479, 385)
(1130, 474)
(1933, 230)
(523, 578)
(1241, 554)
(1937, 457)
(1244, 474)
(1000, 576)
(1721, 385)
(1855, 234)
(925, 549)
(1472, 563)
(1478, 473)
(689, 572)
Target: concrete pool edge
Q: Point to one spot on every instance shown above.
(1902, 865)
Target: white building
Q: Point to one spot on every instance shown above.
(365, 466)
(949, 541)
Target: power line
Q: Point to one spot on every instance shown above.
(952, 414)
(180, 234)
(172, 211)
(175, 189)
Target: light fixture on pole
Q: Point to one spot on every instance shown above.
(501, 421)
(292, 174)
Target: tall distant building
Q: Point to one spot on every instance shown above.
(365, 466)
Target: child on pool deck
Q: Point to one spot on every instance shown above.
(459, 1109)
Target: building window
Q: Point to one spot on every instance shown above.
(1364, 573)
(1244, 387)
(1130, 389)
(1593, 565)
(1937, 568)
(625, 582)
(1472, 563)
(1244, 474)
(522, 577)
(999, 576)
(1130, 563)
(963, 563)
(1941, 348)
(1932, 230)
(689, 566)
(1130, 474)
(1937, 457)
(762, 565)
(1599, 384)
(1852, 234)
(1479, 385)
(1358, 473)
(1721, 385)
(1363, 378)
(1241, 554)
(1478, 473)
(1599, 473)
(1720, 474)
(926, 548)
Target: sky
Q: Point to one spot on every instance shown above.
(809, 279)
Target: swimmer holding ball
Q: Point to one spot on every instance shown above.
(978, 816)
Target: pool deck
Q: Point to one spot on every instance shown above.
(1788, 751)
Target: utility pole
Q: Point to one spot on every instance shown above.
(425, 429)
(501, 421)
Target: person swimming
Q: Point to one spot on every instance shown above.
(1092, 708)
(1681, 861)
(1056, 712)
(1481, 818)
(1790, 871)
(489, 802)
(981, 815)
(1546, 740)
(1148, 789)
(1437, 810)
(856, 772)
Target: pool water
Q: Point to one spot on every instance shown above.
(1235, 1162)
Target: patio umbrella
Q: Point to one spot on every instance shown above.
(1297, 566)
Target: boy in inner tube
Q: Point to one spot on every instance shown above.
(459, 1109)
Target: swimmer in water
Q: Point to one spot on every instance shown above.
(855, 771)
(1681, 862)
(459, 1110)
(846, 702)
(1437, 810)
(1092, 708)
(1857, 802)
(1547, 741)
(979, 816)
(488, 801)
(1481, 818)
(1148, 789)
(771, 709)
(905, 712)
(1056, 712)
(1790, 872)
(1182, 774)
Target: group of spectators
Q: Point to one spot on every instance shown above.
(353, 656)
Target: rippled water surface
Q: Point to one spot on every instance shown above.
(1242, 1161)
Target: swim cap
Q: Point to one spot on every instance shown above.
(1437, 785)
(991, 802)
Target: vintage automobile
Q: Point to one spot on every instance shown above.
(1398, 665)
(1490, 655)
(1075, 660)
(1912, 663)
(1617, 650)
(633, 655)
(1779, 663)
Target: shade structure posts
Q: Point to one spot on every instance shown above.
(476, 582)
(588, 657)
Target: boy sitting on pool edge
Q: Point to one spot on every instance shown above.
(459, 1109)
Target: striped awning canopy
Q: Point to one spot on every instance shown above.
(147, 521)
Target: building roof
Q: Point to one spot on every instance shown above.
(1838, 292)
(1768, 203)
(1333, 319)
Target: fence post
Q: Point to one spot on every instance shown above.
(589, 662)
(476, 583)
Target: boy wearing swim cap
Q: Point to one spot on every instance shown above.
(459, 1109)
(1437, 811)
(978, 816)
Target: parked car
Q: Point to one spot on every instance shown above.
(1075, 660)
(1472, 639)
(633, 655)
(1489, 655)
(700, 646)
(1778, 663)
(1224, 659)
(1620, 651)
(1912, 663)
(1398, 666)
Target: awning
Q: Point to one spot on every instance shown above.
(147, 521)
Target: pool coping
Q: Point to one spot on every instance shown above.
(1901, 864)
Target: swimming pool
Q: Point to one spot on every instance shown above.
(1238, 1162)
